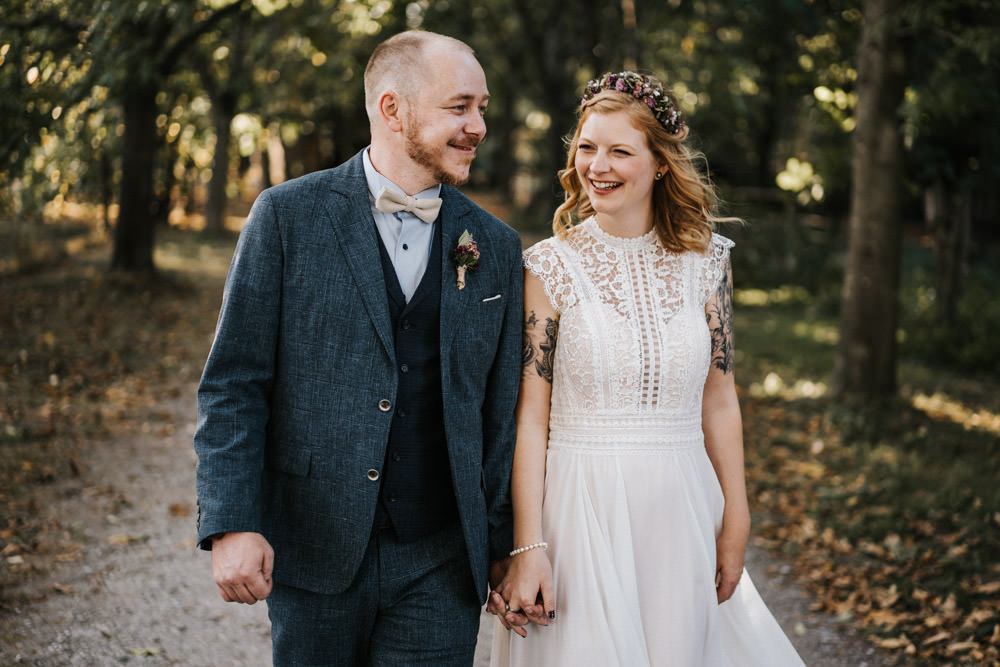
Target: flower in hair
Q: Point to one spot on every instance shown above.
(644, 88)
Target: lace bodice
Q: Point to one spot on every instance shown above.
(633, 338)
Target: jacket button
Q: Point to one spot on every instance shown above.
(384, 405)
(373, 474)
(404, 368)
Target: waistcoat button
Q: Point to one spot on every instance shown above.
(384, 405)
(373, 474)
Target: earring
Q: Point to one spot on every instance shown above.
(659, 175)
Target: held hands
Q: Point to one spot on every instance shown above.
(242, 565)
(525, 592)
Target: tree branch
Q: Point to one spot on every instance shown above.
(184, 42)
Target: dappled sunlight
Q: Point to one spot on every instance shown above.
(770, 297)
(817, 331)
(196, 260)
(774, 386)
(942, 406)
(820, 332)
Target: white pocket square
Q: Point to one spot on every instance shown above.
(492, 298)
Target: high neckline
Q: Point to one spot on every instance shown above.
(624, 242)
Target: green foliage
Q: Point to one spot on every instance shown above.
(949, 114)
(777, 247)
(968, 342)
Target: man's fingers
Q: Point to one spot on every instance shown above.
(516, 622)
(495, 605)
(258, 588)
(242, 564)
(536, 614)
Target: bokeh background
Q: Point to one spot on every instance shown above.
(857, 139)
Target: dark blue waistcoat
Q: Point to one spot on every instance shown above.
(417, 497)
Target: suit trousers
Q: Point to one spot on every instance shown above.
(410, 604)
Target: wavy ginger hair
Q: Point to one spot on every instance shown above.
(683, 200)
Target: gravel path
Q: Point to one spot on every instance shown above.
(139, 592)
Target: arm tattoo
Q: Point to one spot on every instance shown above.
(528, 350)
(539, 355)
(548, 348)
(720, 323)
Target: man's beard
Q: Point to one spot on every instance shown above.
(426, 156)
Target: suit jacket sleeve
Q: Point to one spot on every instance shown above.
(233, 396)
(498, 410)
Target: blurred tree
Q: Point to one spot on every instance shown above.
(866, 351)
(136, 46)
(225, 71)
(952, 139)
(127, 49)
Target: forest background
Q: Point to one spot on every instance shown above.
(856, 138)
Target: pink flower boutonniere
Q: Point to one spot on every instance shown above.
(465, 256)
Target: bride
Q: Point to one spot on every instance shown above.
(630, 506)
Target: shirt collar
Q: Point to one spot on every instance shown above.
(377, 181)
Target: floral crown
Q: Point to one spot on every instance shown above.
(644, 88)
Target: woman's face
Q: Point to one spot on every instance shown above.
(616, 168)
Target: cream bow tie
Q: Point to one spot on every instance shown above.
(390, 201)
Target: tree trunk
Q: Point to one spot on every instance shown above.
(133, 240)
(223, 110)
(630, 34)
(949, 219)
(866, 354)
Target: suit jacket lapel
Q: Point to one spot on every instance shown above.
(455, 303)
(352, 223)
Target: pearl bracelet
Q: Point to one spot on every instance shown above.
(536, 545)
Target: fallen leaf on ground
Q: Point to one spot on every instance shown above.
(179, 509)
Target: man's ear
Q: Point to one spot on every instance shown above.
(390, 108)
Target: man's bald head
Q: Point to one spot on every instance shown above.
(400, 64)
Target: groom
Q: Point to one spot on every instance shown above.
(356, 413)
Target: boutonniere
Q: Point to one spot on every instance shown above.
(465, 256)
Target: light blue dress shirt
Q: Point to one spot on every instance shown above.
(406, 237)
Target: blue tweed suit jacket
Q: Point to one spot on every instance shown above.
(297, 395)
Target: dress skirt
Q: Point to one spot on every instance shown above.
(631, 523)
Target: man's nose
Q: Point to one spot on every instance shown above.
(476, 125)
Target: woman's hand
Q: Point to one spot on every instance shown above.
(527, 589)
(730, 550)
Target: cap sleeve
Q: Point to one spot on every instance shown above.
(545, 262)
(714, 264)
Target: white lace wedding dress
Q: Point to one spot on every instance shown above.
(632, 504)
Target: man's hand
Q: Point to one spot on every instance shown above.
(242, 565)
